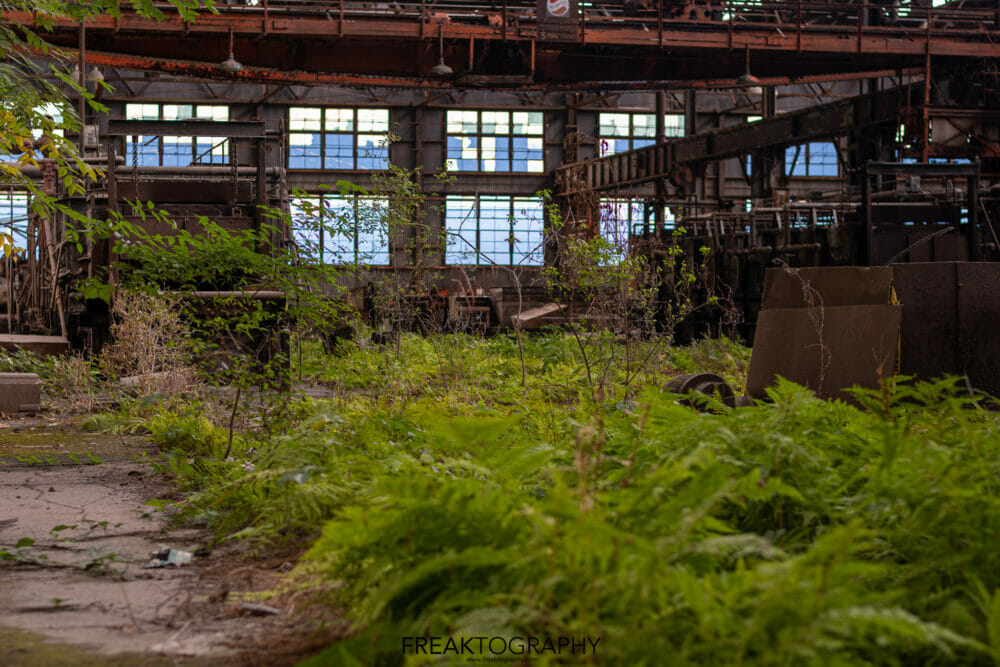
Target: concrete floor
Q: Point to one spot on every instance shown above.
(81, 587)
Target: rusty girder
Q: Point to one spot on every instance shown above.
(652, 163)
(203, 70)
(381, 47)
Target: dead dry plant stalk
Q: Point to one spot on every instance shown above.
(147, 349)
(817, 316)
(72, 386)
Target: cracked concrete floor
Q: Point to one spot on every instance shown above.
(81, 582)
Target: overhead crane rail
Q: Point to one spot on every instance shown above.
(791, 24)
(518, 44)
(645, 14)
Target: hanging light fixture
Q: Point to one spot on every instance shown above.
(748, 80)
(441, 69)
(95, 74)
(231, 65)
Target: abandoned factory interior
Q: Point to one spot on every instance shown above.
(408, 332)
(750, 134)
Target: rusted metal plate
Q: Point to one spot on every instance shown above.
(929, 342)
(826, 349)
(892, 242)
(827, 286)
(978, 318)
(951, 311)
(182, 191)
(36, 344)
(190, 224)
(19, 392)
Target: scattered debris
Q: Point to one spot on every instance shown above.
(167, 557)
(260, 609)
(535, 317)
(158, 378)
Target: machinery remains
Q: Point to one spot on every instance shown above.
(44, 309)
(910, 137)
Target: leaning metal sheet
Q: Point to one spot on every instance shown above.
(827, 349)
(827, 286)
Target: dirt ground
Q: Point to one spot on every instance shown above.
(78, 589)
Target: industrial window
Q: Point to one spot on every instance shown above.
(176, 151)
(620, 132)
(812, 159)
(329, 138)
(496, 141)
(14, 216)
(50, 110)
(341, 229)
(492, 229)
(622, 218)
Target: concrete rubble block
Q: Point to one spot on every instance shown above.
(20, 392)
(535, 318)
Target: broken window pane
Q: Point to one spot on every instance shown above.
(620, 132)
(373, 120)
(352, 138)
(495, 141)
(339, 120)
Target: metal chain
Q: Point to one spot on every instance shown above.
(235, 171)
(135, 159)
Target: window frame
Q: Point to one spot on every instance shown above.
(639, 211)
(533, 255)
(671, 130)
(355, 132)
(322, 207)
(479, 135)
(14, 200)
(196, 152)
(802, 159)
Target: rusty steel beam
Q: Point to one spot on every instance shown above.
(676, 34)
(210, 71)
(374, 46)
(652, 163)
(187, 128)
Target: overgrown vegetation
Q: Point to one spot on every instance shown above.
(437, 497)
